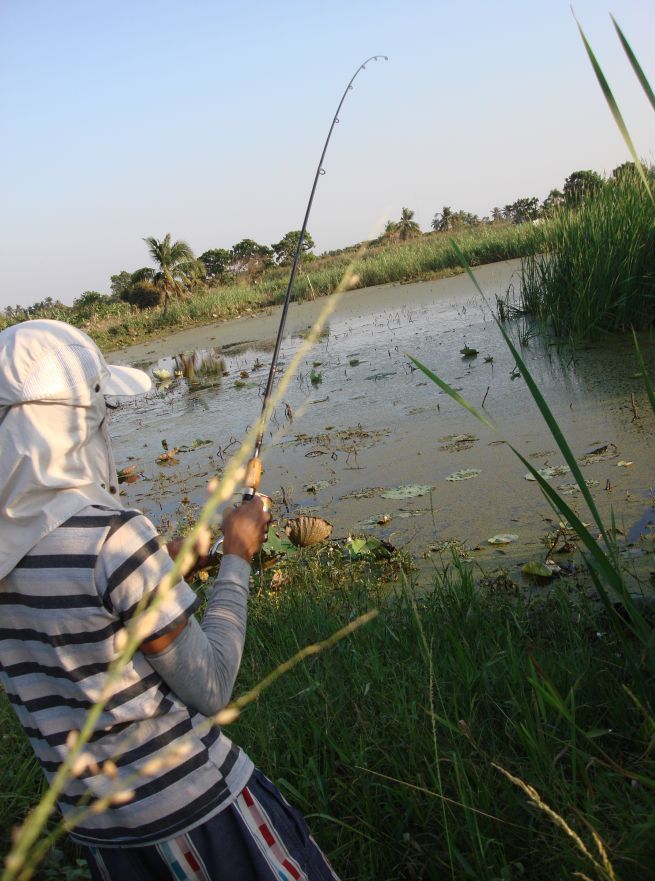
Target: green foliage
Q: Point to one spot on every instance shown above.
(552, 203)
(387, 742)
(522, 211)
(285, 249)
(420, 258)
(121, 282)
(216, 262)
(450, 220)
(442, 222)
(250, 258)
(406, 227)
(143, 294)
(580, 185)
(176, 266)
(598, 272)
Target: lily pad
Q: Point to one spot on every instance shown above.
(276, 545)
(377, 520)
(409, 491)
(464, 474)
(369, 547)
(454, 443)
(568, 489)
(548, 473)
(503, 539)
(539, 570)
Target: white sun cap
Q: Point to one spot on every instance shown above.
(46, 360)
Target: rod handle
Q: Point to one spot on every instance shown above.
(253, 476)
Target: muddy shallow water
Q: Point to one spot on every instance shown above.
(369, 423)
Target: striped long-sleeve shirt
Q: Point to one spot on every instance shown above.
(61, 609)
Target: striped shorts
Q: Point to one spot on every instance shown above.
(259, 837)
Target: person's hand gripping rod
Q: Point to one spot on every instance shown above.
(251, 481)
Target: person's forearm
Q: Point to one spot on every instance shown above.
(202, 663)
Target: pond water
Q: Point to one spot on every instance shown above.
(369, 423)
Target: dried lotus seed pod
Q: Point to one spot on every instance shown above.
(304, 531)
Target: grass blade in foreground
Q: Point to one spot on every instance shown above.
(605, 564)
(614, 108)
(600, 559)
(632, 58)
(642, 366)
(544, 409)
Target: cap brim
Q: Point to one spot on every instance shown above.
(126, 381)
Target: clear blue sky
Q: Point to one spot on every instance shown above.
(121, 120)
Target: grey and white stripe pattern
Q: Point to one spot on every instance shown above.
(60, 611)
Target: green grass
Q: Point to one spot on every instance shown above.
(598, 274)
(388, 741)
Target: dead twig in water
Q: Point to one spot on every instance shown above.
(285, 500)
(485, 395)
(633, 404)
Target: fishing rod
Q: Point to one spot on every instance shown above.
(253, 473)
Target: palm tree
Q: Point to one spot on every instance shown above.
(176, 266)
(406, 227)
(390, 230)
(444, 221)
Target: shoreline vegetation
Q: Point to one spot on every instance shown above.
(114, 324)
(588, 267)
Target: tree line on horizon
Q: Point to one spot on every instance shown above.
(177, 271)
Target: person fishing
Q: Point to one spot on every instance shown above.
(75, 566)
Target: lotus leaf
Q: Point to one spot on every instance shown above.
(548, 473)
(464, 474)
(539, 570)
(276, 545)
(409, 491)
(368, 547)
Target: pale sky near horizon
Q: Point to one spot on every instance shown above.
(120, 120)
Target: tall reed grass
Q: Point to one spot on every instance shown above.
(597, 269)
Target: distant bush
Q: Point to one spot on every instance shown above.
(143, 294)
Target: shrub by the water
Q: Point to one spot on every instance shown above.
(143, 294)
(597, 270)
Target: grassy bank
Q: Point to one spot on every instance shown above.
(388, 742)
(114, 324)
(599, 274)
